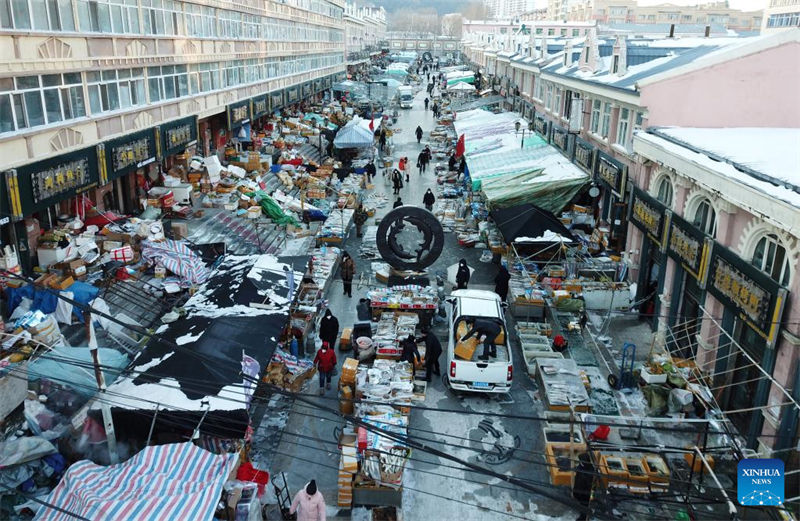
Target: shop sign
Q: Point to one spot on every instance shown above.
(306, 90)
(540, 125)
(276, 100)
(737, 284)
(648, 215)
(292, 94)
(238, 114)
(42, 184)
(127, 153)
(561, 139)
(687, 245)
(177, 135)
(584, 154)
(610, 172)
(260, 106)
(317, 85)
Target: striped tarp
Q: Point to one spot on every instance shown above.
(178, 481)
(177, 258)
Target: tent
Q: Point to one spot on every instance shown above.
(354, 135)
(177, 481)
(527, 223)
(461, 87)
(71, 366)
(190, 375)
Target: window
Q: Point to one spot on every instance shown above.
(45, 15)
(563, 32)
(551, 32)
(161, 17)
(109, 16)
(770, 257)
(664, 193)
(31, 101)
(705, 218)
(168, 82)
(784, 20)
(539, 30)
(595, 122)
(556, 108)
(576, 33)
(201, 21)
(606, 121)
(615, 65)
(548, 97)
(538, 88)
(114, 90)
(623, 127)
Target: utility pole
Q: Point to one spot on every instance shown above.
(108, 421)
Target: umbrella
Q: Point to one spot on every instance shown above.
(453, 270)
(354, 135)
(527, 223)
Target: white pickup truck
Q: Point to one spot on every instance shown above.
(474, 374)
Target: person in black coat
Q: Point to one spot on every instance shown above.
(422, 162)
(426, 103)
(418, 132)
(501, 282)
(410, 353)
(433, 350)
(451, 163)
(397, 181)
(583, 483)
(488, 329)
(428, 199)
(398, 203)
(329, 328)
(463, 274)
(371, 170)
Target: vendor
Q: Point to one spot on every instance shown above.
(488, 329)
(559, 343)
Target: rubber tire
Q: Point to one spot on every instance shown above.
(425, 219)
(613, 381)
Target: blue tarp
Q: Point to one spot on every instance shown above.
(73, 366)
(46, 300)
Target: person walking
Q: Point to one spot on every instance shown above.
(426, 103)
(360, 217)
(397, 181)
(419, 133)
(463, 274)
(329, 328)
(487, 329)
(371, 170)
(382, 141)
(325, 361)
(428, 199)
(501, 282)
(433, 350)
(309, 504)
(411, 353)
(422, 161)
(451, 163)
(401, 165)
(348, 272)
(404, 168)
(398, 203)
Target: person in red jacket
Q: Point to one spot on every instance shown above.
(325, 361)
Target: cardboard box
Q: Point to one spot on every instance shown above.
(65, 283)
(465, 350)
(349, 370)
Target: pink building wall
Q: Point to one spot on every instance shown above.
(731, 94)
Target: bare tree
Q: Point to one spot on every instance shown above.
(451, 25)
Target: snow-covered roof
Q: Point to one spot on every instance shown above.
(766, 159)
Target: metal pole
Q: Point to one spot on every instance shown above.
(731, 506)
(152, 425)
(108, 421)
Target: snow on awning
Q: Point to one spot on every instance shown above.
(177, 481)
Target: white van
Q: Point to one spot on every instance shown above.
(406, 96)
(474, 374)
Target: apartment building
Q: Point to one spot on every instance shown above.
(780, 15)
(500, 9)
(95, 93)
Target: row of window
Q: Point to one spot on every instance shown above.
(32, 101)
(560, 102)
(156, 17)
(784, 20)
(769, 254)
(322, 7)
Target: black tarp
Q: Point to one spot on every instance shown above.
(202, 352)
(527, 220)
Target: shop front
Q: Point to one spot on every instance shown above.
(178, 137)
(40, 192)
(753, 309)
(562, 140)
(129, 154)
(611, 176)
(688, 247)
(239, 115)
(541, 125)
(651, 217)
(292, 95)
(277, 101)
(305, 91)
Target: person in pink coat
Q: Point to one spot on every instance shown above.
(309, 504)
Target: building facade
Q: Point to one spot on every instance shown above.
(629, 11)
(780, 15)
(501, 9)
(695, 228)
(95, 94)
(424, 42)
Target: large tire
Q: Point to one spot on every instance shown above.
(425, 222)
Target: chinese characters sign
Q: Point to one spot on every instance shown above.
(648, 215)
(238, 114)
(561, 139)
(260, 106)
(610, 172)
(584, 155)
(131, 154)
(62, 178)
(277, 100)
(177, 135)
(687, 245)
(540, 125)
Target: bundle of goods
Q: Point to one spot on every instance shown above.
(408, 296)
(324, 261)
(288, 372)
(369, 245)
(337, 224)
